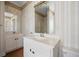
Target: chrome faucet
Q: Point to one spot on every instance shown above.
(41, 35)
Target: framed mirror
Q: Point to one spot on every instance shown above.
(10, 22)
(44, 18)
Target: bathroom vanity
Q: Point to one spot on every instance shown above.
(13, 41)
(41, 47)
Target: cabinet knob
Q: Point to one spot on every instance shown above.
(33, 52)
(30, 50)
(16, 38)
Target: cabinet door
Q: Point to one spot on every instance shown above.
(34, 48)
(40, 49)
(27, 47)
(19, 42)
(10, 44)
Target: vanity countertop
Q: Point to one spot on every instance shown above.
(49, 41)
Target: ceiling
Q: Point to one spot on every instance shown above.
(18, 3)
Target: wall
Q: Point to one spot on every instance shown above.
(2, 37)
(50, 21)
(66, 24)
(28, 19)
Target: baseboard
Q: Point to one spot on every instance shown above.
(2, 54)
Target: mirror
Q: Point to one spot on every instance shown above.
(10, 22)
(44, 18)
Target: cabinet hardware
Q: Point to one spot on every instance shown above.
(16, 38)
(30, 50)
(33, 52)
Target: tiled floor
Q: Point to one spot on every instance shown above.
(16, 53)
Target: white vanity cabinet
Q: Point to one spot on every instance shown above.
(13, 43)
(10, 44)
(34, 48)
